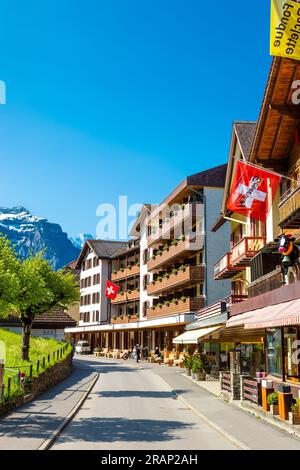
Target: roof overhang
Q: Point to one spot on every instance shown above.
(278, 116)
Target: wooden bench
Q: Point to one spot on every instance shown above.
(179, 361)
(104, 352)
(169, 358)
(115, 354)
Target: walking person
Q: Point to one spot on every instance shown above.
(138, 352)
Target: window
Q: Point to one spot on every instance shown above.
(146, 278)
(145, 306)
(145, 256)
(274, 351)
(291, 367)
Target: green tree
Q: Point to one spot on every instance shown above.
(31, 287)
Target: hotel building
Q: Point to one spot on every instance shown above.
(165, 271)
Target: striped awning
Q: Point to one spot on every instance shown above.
(283, 314)
(239, 320)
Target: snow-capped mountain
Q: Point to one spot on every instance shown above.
(80, 239)
(29, 233)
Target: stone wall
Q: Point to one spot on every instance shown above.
(52, 376)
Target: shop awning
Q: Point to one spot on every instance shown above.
(239, 320)
(283, 314)
(193, 336)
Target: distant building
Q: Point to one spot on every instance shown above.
(47, 325)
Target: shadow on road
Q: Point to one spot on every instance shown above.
(138, 393)
(122, 429)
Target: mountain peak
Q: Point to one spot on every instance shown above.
(14, 210)
(80, 239)
(29, 233)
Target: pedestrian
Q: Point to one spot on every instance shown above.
(138, 352)
(157, 354)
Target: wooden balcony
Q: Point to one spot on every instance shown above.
(180, 220)
(223, 269)
(190, 305)
(270, 281)
(126, 272)
(177, 249)
(243, 251)
(124, 319)
(184, 277)
(289, 209)
(128, 296)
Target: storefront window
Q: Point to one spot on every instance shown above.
(274, 351)
(291, 367)
(252, 358)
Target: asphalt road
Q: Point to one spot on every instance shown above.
(133, 408)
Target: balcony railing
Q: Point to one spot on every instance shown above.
(124, 319)
(270, 281)
(185, 215)
(128, 296)
(243, 251)
(189, 305)
(182, 277)
(289, 208)
(177, 249)
(223, 269)
(125, 272)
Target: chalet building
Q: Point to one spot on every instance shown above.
(264, 328)
(165, 272)
(46, 325)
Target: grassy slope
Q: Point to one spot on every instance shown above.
(39, 348)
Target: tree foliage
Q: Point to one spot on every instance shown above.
(31, 287)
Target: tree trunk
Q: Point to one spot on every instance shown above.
(26, 333)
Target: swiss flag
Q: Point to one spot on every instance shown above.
(253, 191)
(111, 290)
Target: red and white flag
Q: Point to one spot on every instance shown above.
(253, 191)
(111, 290)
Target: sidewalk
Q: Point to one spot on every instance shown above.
(32, 424)
(252, 432)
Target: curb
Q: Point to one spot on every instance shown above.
(50, 440)
(213, 425)
(250, 411)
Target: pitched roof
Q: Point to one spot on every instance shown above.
(104, 249)
(245, 132)
(213, 177)
(56, 318)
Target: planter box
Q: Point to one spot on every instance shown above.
(294, 418)
(200, 376)
(188, 372)
(274, 410)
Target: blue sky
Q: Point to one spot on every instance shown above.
(121, 97)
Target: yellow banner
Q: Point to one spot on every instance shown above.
(285, 29)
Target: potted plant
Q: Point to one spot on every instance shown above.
(294, 414)
(273, 402)
(187, 364)
(198, 369)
